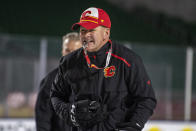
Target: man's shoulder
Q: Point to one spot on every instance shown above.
(72, 59)
(53, 72)
(73, 56)
(124, 51)
(47, 80)
(50, 75)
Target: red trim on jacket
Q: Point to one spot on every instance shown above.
(118, 57)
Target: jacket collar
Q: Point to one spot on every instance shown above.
(101, 51)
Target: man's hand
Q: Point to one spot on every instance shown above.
(86, 113)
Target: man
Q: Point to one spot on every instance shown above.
(102, 86)
(46, 118)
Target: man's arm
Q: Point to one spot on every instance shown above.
(59, 94)
(43, 110)
(141, 96)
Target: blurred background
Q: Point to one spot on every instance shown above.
(162, 32)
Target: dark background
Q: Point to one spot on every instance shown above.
(55, 18)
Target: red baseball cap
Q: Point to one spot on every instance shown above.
(93, 17)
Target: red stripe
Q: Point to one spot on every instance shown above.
(87, 59)
(118, 57)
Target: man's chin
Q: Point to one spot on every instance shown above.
(90, 50)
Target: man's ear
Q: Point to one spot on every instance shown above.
(107, 33)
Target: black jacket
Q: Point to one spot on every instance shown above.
(124, 87)
(46, 118)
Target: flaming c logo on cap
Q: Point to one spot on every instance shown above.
(109, 71)
(93, 17)
(86, 14)
(90, 12)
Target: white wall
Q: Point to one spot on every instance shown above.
(29, 125)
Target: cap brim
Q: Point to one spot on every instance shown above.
(87, 25)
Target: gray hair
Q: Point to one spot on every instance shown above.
(73, 36)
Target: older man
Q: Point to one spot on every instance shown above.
(46, 118)
(102, 86)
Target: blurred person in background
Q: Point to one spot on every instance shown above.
(46, 118)
(16, 99)
(103, 86)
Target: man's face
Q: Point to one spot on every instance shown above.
(70, 46)
(94, 38)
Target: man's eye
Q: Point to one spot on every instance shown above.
(92, 30)
(82, 31)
